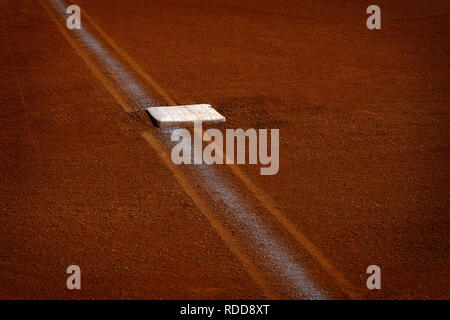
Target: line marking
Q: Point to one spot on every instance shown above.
(91, 64)
(269, 204)
(271, 250)
(205, 209)
(266, 200)
(132, 62)
(226, 236)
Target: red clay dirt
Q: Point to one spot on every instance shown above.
(364, 144)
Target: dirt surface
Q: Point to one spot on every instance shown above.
(364, 144)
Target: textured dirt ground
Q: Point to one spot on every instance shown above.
(364, 144)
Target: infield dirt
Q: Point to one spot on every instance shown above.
(364, 149)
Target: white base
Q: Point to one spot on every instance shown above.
(184, 115)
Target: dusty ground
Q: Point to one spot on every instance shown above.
(364, 144)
